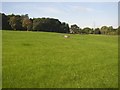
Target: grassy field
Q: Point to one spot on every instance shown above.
(48, 60)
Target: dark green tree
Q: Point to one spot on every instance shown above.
(49, 25)
(87, 30)
(74, 29)
(97, 31)
(5, 23)
(64, 28)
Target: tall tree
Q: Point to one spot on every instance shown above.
(64, 28)
(104, 30)
(5, 23)
(74, 29)
(97, 31)
(26, 22)
(15, 22)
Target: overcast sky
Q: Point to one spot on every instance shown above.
(84, 14)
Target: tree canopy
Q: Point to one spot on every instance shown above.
(24, 23)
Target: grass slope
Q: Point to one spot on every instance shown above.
(48, 60)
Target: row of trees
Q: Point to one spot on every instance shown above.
(23, 22)
(103, 30)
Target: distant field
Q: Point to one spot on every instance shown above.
(48, 60)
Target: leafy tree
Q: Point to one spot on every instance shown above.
(26, 22)
(87, 30)
(104, 30)
(15, 22)
(5, 23)
(91, 31)
(97, 31)
(49, 25)
(74, 29)
(38, 24)
(64, 28)
(108, 30)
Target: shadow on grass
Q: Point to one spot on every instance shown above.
(26, 44)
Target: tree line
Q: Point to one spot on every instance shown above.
(105, 30)
(24, 23)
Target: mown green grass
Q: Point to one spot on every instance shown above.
(48, 60)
